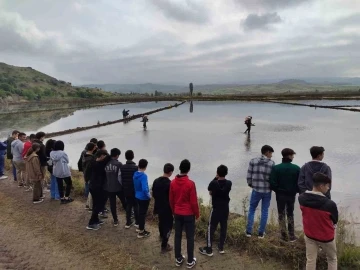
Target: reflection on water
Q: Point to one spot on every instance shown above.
(247, 143)
(191, 107)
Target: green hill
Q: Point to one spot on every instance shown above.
(26, 83)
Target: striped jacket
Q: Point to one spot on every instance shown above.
(258, 174)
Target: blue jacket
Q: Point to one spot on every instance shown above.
(141, 186)
(3, 147)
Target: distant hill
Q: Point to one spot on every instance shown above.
(138, 88)
(293, 81)
(18, 83)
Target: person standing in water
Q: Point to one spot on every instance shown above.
(145, 119)
(249, 124)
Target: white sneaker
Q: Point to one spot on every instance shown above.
(3, 177)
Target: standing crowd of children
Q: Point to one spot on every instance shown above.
(176, 202)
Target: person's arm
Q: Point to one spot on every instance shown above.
(194, 201)
(273, 180)
(171, 199)
(301, 180)
(145, 186)
(210, 188)
(80, 163)
(119, 176)
(334, 213)
(250, 174)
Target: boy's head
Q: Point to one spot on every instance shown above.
(90, 147)
(267, 151)
(222, 171)
(32, 137)
(101, 145)
(288, 153)
(321, 183)
(129, 155)
(185, 166)
(168, 169)
(101, 154)
(40, 136)
(115, 153)
(15, 134)
(142, 164)
(22, 136)
(317, 152)
(94, 141)
(59, 146)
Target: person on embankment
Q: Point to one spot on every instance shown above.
(283, 181)
(35, 173)
(258, 176)
(160, 192)
(184, 204)
(17, 147)
(9, 155)
(3, 147)
(219, 190)
(87, 159)
(54, 189)
(307, 171)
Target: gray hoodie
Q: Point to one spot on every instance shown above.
(307, 171)
(60, 161)
(113, 176)
(17, 148)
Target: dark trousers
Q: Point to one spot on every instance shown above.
(68, 183)
(187, 223)
(218, 215)
(166, 222)
(112, 198)
(37, 190)
(131, 204)
(248, 129)
(285, 205)
(143, 208)
(98, 197)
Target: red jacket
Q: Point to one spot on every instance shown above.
(27, 146)
(183, 197)
(320, 214)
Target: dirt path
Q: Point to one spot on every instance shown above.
(53, 236)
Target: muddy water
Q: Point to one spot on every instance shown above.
(213, 134)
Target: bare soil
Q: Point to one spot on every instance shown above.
(53, 236)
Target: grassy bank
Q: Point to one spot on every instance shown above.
(291, 254)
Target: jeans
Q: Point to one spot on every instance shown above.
(2, 164)
(166, 222)
(14, 170)
(285, 206)
(131, 204)
(98, 196)
(112, 199)
(265, 199)
(187, 222)
(86, 191)
(217, 216)
(68, 183)
(143, 208)
(54, 190)
(312, 248)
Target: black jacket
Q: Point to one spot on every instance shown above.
(80, 161)
(98, 174)
(86, 162)
(160, 192)
(42, 153)
(127, 174)
(8, 148)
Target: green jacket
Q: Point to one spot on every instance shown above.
(284, 178)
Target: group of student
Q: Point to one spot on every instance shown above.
(106, 178)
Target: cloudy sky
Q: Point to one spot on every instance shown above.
(177, 41)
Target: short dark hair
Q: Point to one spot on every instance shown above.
(59, 145)
(287, 152)
(316, 151)
(15, 132)
(168, 168)
(320, 179)
(100, 144)
(115, 152)
(222, 171)
(185, 166)
(129, 155)
(90, 146)
(266, 148)
(32, 136)
(143, 163)
(21, 134)
(100, 153)
(40, 135)
(94, 140)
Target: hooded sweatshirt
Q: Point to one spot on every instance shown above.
(113, 176)
(258, 174)
(86, 162)
(61, 167)
(307, 171)
(183, 197)
(17, 148)
(141, 186)
(97, 173)
(160, 192)
(33, 168)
